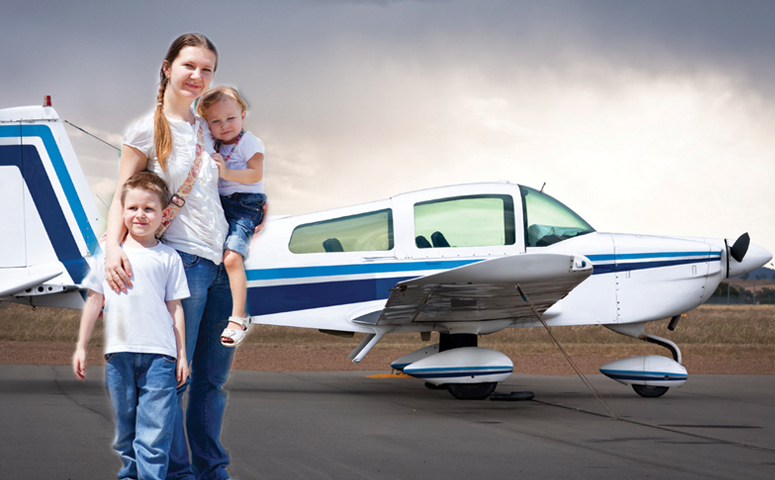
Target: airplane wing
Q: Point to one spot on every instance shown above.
(485, 290)
(34, 279)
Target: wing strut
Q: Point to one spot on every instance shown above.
(367, 344)
(584, 379)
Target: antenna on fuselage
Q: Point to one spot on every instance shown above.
(542, 187)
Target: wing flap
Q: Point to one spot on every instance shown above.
(486, 290)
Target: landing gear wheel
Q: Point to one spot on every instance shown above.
(431, 386)
(649, 392)
(472, 391)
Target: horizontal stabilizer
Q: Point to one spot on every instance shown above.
(35, 279)
(486, 290)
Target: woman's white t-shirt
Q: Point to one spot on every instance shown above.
(200, 227)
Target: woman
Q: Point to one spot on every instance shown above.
(167, 144)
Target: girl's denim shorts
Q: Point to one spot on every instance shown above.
(243, 212)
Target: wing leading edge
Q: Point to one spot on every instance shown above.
(485, 290)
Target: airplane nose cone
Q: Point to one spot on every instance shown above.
(755, 257)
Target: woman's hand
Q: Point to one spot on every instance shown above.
(222, 170)
(260, 226)
(118, 271)
(117, 268)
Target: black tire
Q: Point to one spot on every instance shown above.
(432, 386)
(650, 392)
(472, 391)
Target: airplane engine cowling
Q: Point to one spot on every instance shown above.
(648, 370)
(462, 365)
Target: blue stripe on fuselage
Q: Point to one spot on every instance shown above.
(624, 267)
(661, 259)
(265, 300)
(27, 159)
(360, 269)
(291, 298)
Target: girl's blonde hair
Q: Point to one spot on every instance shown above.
(161, 128)
(215, 95)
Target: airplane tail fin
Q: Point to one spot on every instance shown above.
(48, 223)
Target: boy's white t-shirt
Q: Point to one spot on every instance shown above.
(246, 148)
(138, 321)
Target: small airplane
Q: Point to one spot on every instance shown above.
(464, 261)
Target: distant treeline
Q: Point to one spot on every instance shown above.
(728, 294)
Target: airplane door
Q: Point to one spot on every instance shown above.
(464, 226)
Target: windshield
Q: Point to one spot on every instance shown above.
(548, 221)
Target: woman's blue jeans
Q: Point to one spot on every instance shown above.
(207, 311)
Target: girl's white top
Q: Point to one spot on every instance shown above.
(200, 227)
(239, 154)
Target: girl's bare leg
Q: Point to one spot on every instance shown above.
(238, 282)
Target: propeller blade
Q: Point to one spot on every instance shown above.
(740, 248)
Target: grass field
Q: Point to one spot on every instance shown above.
(743, 331)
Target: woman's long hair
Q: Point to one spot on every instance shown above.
(161, 128)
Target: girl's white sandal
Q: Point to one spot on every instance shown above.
(231, 337)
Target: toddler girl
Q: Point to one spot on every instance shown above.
(240, 158)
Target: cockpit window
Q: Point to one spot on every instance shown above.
(471, 221)
(548, 221)
(371, 231)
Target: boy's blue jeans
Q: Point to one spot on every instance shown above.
(207, 311)
(141, 388)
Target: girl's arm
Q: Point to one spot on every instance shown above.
(117, 268)
(91, 311)
(254, 173)
(179, 326)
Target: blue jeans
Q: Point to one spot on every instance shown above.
(141, 388)
(207, 311)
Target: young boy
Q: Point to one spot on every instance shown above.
(145, 353)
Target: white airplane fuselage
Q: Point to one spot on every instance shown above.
(462, 260)
(636, 278)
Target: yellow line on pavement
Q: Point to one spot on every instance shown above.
(390, 375)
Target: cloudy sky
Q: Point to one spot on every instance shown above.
(644, 117)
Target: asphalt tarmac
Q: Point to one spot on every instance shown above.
(342, 425)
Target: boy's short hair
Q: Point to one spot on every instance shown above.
(215, 95)
(150, 182)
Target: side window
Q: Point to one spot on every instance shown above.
(548, 221)
(472, 221)
(355, 233)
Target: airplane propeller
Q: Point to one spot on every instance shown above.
(743, 257)
(740, 247)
